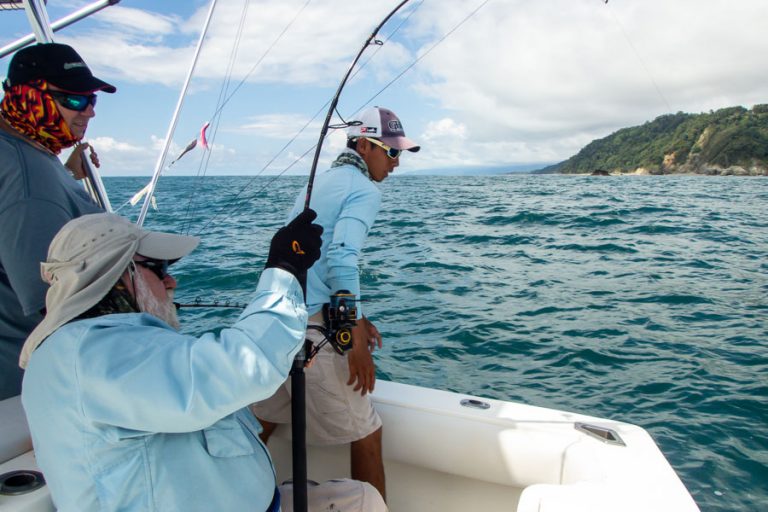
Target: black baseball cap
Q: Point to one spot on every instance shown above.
(58, 64)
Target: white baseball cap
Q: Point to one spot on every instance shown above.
(383, 124)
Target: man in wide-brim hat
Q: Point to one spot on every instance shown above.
(125, 412)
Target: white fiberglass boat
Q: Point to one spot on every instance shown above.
(442, 451)
(450, 452)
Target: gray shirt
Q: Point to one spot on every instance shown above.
(37, 197)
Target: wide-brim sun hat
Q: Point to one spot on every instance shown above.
(86, 259)
(383, 124)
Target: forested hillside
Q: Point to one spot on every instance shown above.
(730, 141)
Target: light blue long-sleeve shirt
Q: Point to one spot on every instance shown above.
(128, 414)
(346, 203)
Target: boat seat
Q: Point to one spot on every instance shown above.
(14, 431)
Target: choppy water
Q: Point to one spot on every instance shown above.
(642, 299)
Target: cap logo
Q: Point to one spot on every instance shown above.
(368, 129)
(72, 65)
(395, 126)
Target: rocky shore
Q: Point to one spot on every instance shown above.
(707, 170)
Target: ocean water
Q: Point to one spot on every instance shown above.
(642, 299)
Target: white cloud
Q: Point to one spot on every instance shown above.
(445, 128)
(528, 74)
(137, 45)
(110, 145)
(281, 126)
(520, 81)
(138, 21)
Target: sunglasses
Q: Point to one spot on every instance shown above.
(76, 102)
(158, 267)
(391, 152)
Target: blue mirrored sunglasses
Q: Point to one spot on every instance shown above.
(158, 267)
(77, 102)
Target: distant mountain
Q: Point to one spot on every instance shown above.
(473, 170)
(729, 141)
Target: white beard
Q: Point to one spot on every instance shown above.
(148, 303)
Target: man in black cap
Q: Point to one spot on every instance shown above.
(49, 99)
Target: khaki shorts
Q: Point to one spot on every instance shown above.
(335, 413)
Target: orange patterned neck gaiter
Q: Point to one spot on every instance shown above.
(35, 115)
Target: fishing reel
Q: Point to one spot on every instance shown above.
(340, 316)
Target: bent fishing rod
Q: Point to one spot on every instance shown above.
(298, 384)
(335, 100)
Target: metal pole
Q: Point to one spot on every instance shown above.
(58, 25)
(174, 120)
(38, 18)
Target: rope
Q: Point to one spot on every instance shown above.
(221, 106)
(263, 56)
(216, 118)
(217, 112)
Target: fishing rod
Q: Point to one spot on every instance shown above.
(298, 385)
(226, 303)
(335, 100)
(220, 213)
(215, 304)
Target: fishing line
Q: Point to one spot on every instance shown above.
(232, 210)
(245, 201)
(169, 136)
(639, 58)
(159, 166)
(216, 118)
(240, 84)
(418, 59)
(217, 216)
(263, 56)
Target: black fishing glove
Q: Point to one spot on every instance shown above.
(296, 247)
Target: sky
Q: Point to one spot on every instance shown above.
(519, 82)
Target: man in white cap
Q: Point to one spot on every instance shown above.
(347, 200)
(128, 414)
